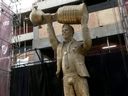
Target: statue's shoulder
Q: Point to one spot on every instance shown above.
(78, 47)
(78, 43)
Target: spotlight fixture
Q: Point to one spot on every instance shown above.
(108, 47)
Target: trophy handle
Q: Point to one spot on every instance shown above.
(38, 17)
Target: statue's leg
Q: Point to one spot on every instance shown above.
(68, 88)
(81, 87)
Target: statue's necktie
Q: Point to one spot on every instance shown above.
(65, 59)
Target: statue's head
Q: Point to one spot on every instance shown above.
(67, 31)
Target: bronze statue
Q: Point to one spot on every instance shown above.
(70, 56)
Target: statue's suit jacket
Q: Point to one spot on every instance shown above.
(75, 55)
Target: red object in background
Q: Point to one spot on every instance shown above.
(5, 48)
(126, 4)
(21, 31)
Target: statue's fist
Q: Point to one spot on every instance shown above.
(48, 17)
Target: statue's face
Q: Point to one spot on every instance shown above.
(67, 32)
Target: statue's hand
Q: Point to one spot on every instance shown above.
(48, 18)
(84, 19)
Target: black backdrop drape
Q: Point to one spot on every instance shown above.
(108, 77)
(37, 80)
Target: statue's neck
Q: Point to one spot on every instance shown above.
(68, 40)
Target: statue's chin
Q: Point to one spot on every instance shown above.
(66, 38)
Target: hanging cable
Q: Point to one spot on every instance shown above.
(24, 31)
(26, 20)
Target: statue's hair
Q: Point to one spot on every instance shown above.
(69, 26)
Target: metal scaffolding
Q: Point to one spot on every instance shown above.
(6, 16)
(123, 9)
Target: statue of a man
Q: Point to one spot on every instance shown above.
(71, 59)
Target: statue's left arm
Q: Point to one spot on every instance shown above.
(87, 41)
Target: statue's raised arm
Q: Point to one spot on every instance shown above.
(52, 36)
(87, 42)
(38, 17)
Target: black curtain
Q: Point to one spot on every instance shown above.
(109, 77)
(37, 80)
